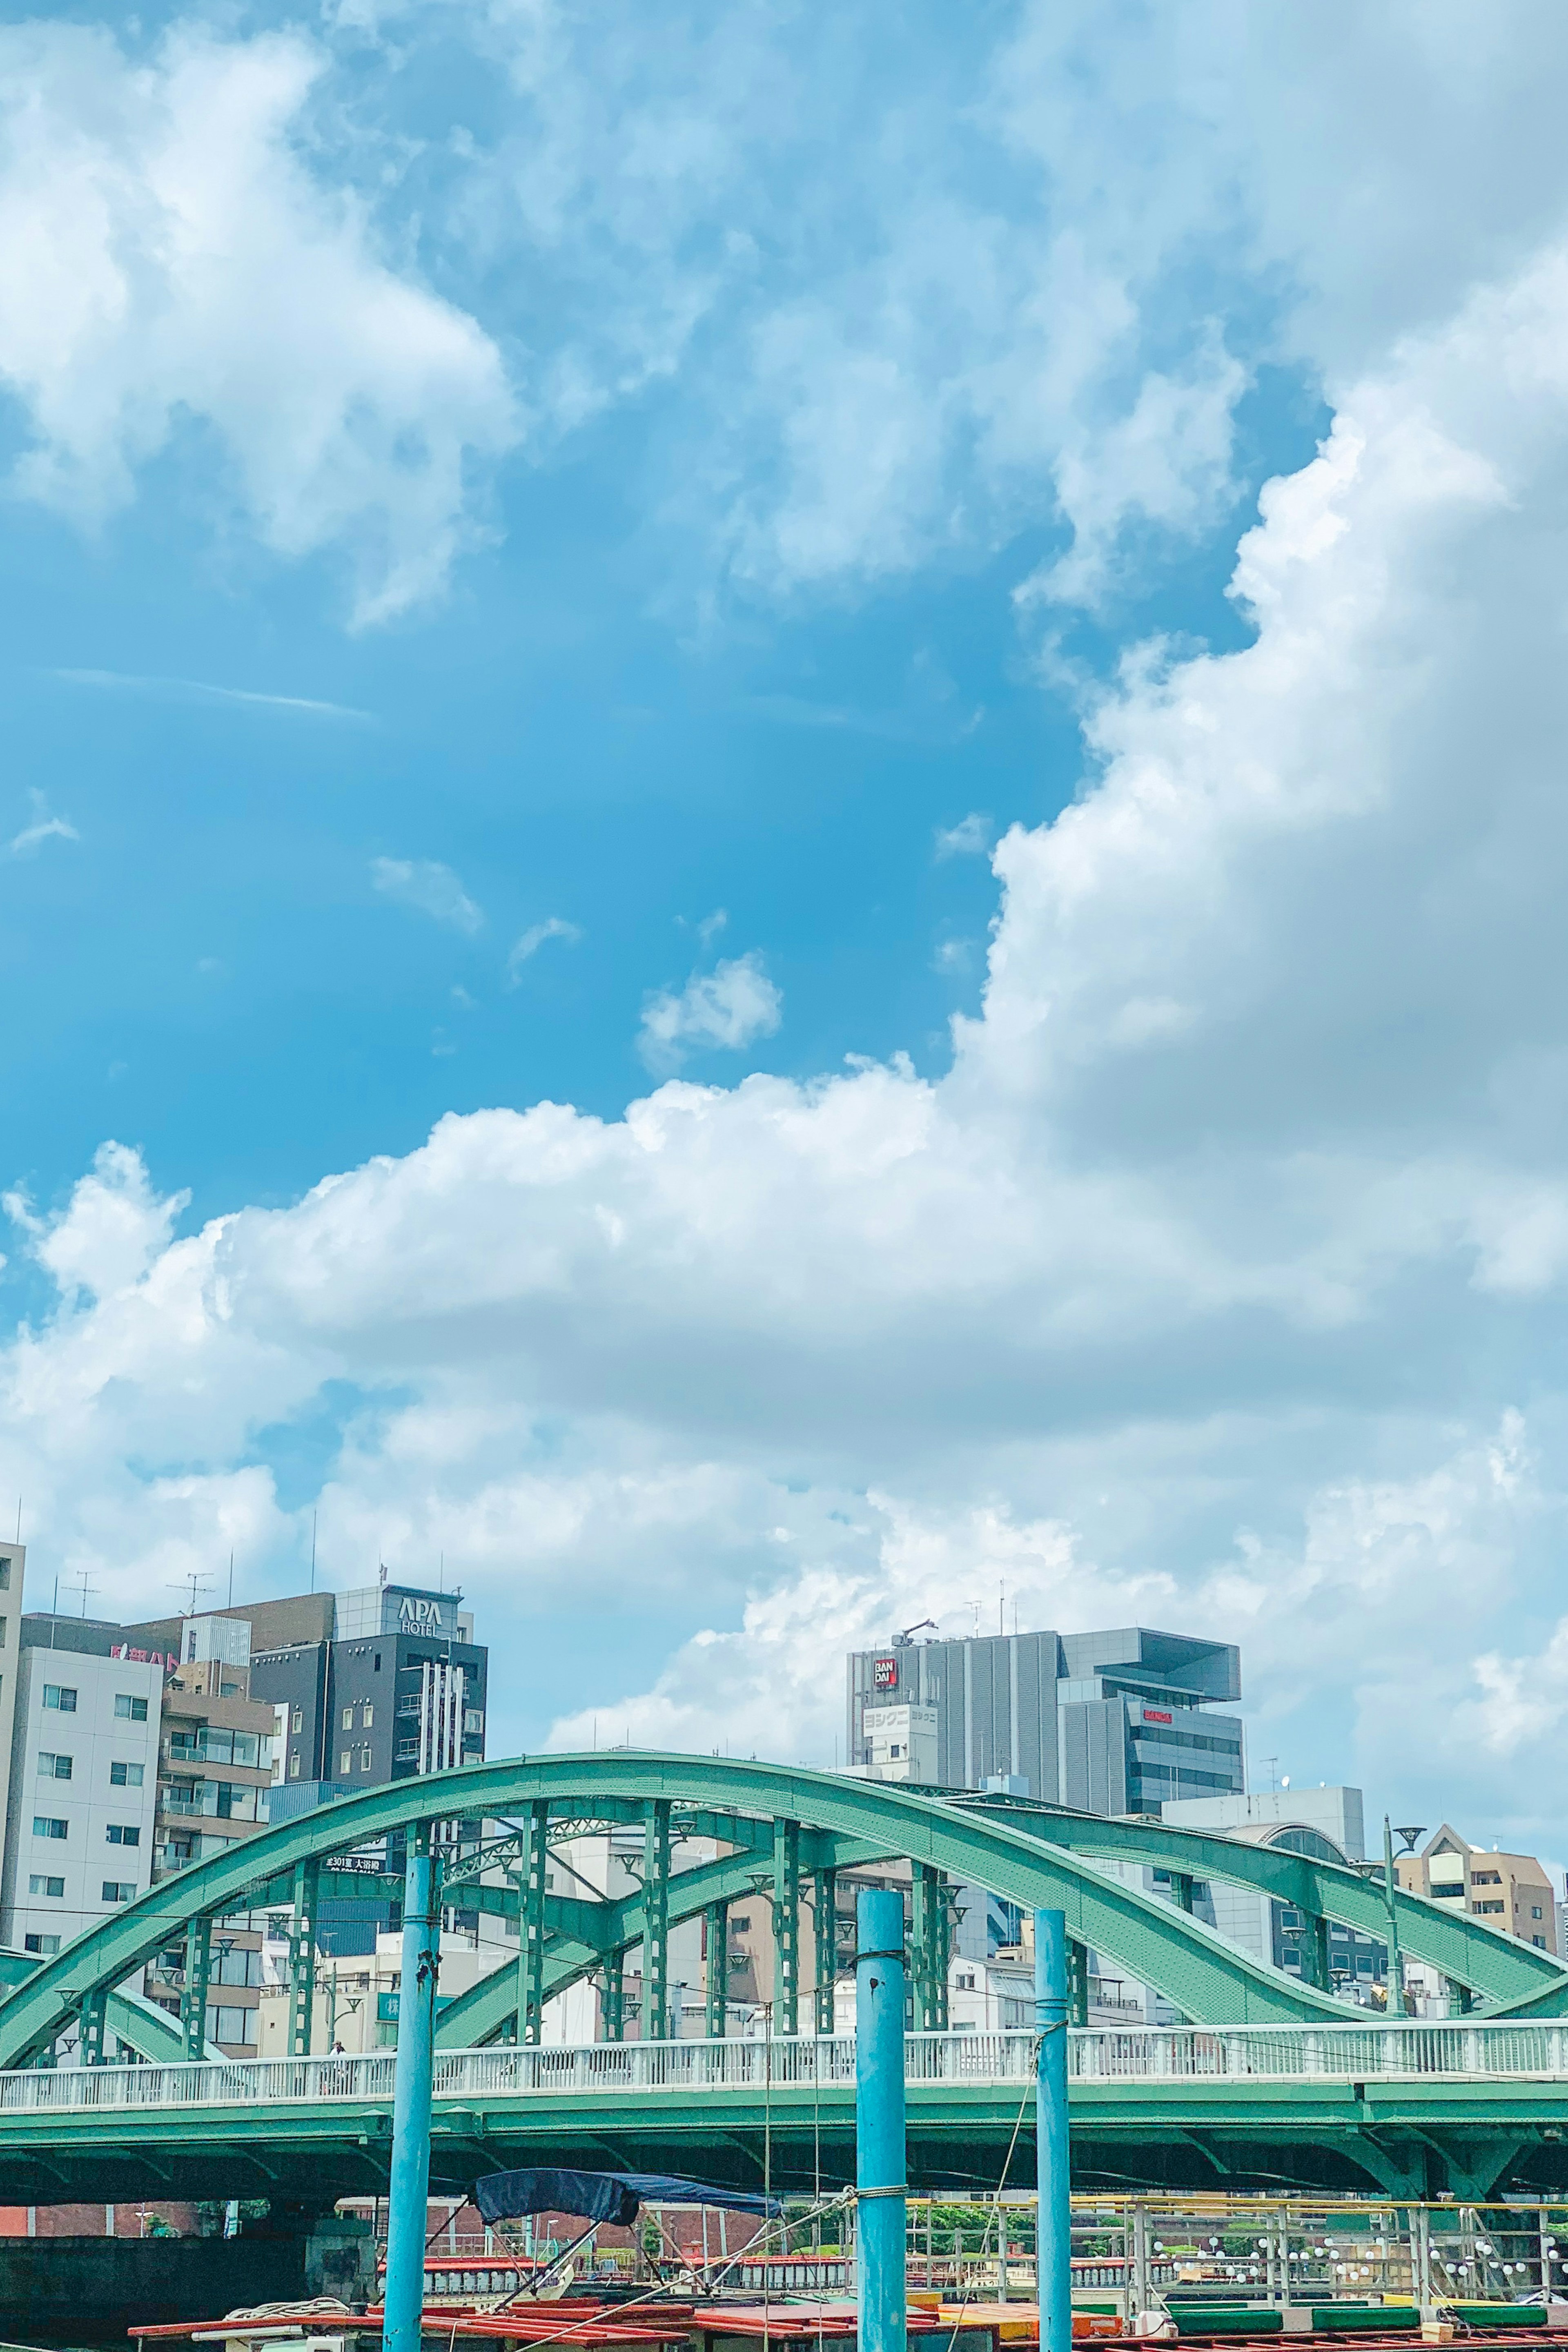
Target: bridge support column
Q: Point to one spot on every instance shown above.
(193, 2000)
(1316, 1968)
(1053, 2242)
(531, 1930)
(716, 1974)
(929, 1953)
(882, 2196)
(91, 2026)
(410, 2188)
(1077, 1966)
(302, 1960)
(613, 1997)
(825, 1921)
(786, 1927)
(656, 1921)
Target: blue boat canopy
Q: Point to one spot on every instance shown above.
(605, 2195)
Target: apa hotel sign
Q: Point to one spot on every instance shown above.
(416, 1614)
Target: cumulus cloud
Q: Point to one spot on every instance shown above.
(431, 887)
(1218, 1282)
(170, 260)
(725, 1009)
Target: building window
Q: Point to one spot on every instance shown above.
(294, 1766)
(53, 1888)
(42, 1945)
(1486, 1906)
(121, 1833)
(57, 1694)
(1535, 1910)
(474, 1718)
(4, 1572)
(367, 1716)
(1539, 1942)
(119, 1890)
(59, 1768)
(297, 1720)
(348, 1719)
(129, 1709)
(48, 1825)
(345, 1763)
(234, 2025)
(125, 1776)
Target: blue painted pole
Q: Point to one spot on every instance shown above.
(1053, 2238)
(409, 2194)
(882, 2197)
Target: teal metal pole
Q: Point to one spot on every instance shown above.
(882, 2207)
(1053, 2240)
(409, 2192)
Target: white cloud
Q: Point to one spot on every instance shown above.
(554, 927)
(110, 1234)
(970, 837)
(195, 689)
(725, 1009)
(170, 259)
(432, 887)
(43, 826)
(1210, 1283)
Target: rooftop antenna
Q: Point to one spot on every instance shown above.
(85, 1588)
(1273, 1764)
(231, 1580)
(195, 1583)
(18, 1518)
(312, 1552)
(1001, 1606)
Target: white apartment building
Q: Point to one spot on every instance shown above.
(83, 1779)
(12, 1569)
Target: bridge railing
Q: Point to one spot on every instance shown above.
(1184, 2053)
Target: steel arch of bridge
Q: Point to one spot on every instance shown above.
(785, 1822)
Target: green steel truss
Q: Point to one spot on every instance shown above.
(785, 1827)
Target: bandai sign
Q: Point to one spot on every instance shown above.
(1158, 1715)
(884, 1673)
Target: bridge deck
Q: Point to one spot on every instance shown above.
(1385, 2106)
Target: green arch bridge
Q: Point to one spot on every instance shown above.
(1273, 2080)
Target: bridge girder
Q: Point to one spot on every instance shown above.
(1030, 1854)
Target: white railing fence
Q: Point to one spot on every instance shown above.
(1098, 2054)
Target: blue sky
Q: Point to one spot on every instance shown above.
(949, 651)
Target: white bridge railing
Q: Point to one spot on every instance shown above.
(1098, 2053)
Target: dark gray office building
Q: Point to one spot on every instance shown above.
(1107, 1723)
